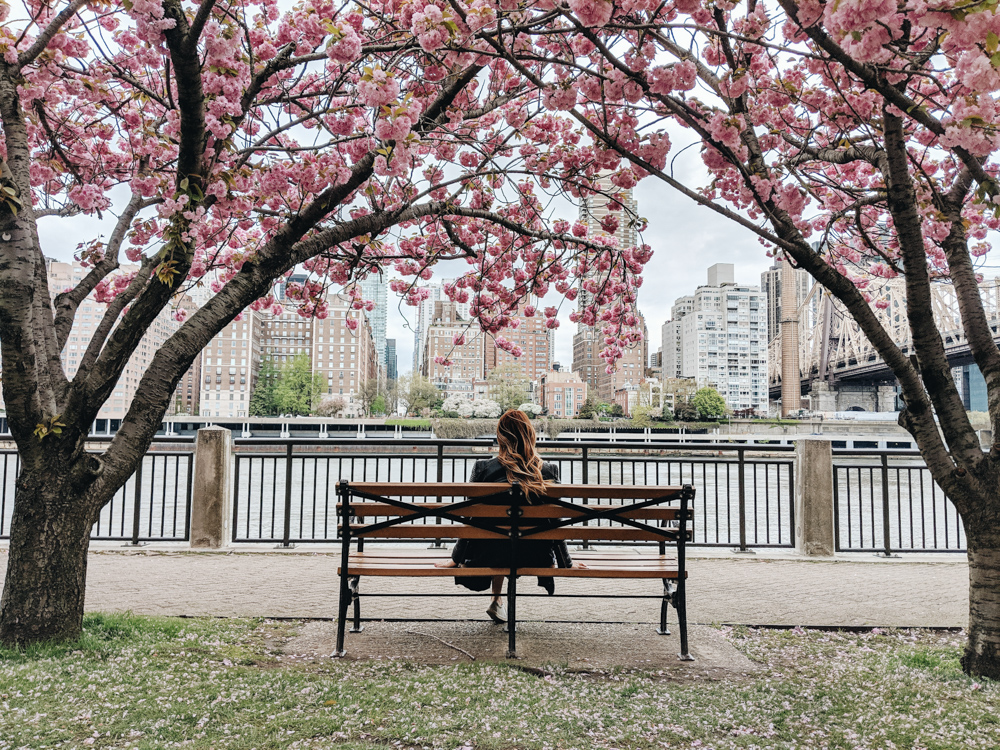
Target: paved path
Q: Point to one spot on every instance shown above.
(760, 590)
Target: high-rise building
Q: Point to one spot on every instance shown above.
(588, 341)
(670, 356)
(345, 358)
(376, 289)
(230, 364)
(770, 286)
(295, 278)
(424, 316)
(88, 317)
(188, 394)
(467, 359)
(390, 360)
(533, 338)
(723, 340)
(629, 372)
(593, 210)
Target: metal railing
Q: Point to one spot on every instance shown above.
(154, 505)
(886, 502)
(285, 491)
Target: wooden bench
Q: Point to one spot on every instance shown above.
(412, 511)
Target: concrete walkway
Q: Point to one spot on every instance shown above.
(764, 589)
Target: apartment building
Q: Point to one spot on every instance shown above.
(231, 362)
(561, 394)
(425, 315)
(89, 316)
(345, 357)
(229, 367)
(770, 286)
(536, 348)
(630, 370)
(670, 350)
(587, 341)
(467, 359)
(187, 396)
(723, 340)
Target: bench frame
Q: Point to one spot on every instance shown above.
(513, 525)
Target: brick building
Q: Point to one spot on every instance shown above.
(467, 360)
(535, 342)
(561, 394)
(630, 370)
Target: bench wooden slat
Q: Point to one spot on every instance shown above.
(617, 572)
(457, 531)
(637, 562)
(482, 489)
(370, 554)
(370, 509)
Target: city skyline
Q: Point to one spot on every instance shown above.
(684, 239)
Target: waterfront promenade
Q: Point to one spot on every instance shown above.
(769, 588)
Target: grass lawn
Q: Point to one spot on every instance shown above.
(140, 682)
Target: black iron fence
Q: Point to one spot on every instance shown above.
(153, 505)
(886, 502)
(284, 492)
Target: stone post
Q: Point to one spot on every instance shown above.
(814, 530)
(211, 499)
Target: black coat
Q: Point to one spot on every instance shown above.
(495, 553)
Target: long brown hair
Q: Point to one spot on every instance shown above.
(516, 438)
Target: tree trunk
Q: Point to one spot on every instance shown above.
(982, 652)
(47, 567)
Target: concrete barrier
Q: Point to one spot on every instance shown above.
(211, 497)
(814, 529)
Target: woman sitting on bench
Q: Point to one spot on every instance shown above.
(518, 461)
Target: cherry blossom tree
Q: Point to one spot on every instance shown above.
(865, 128)
(230, 142)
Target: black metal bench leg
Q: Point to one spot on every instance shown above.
(664, 628)
(355, 585)
(512, 617)
(345, 600)
(681, 607)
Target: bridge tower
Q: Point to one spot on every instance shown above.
(791, 385)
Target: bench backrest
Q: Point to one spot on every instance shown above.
(400, 510)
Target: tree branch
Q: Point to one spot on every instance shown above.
(970, 302)
(43, 39)
(198, 24)
(868, 75)
(931, 357)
